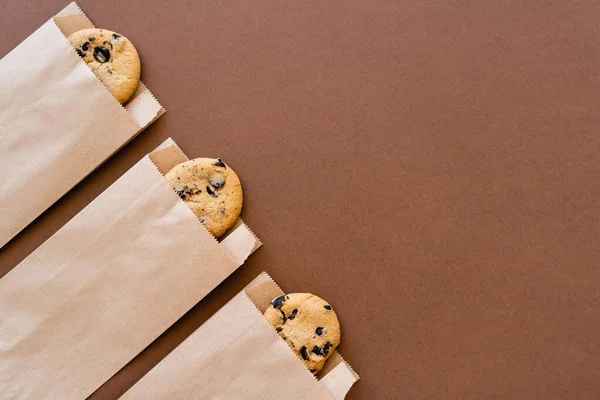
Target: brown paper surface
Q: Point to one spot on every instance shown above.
(237, 354)
(432, 167)
(107, 284)
(57, 121)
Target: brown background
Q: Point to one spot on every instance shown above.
(430, 167)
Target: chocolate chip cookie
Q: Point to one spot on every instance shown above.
(112, 57)
(309, 325)
(211, 189)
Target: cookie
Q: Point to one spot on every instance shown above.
(211, 190)
(112, 58)
(309, 325)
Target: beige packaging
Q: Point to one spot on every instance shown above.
(57, 121)
(236, 354)
(108, 283)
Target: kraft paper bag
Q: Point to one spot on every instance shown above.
(236, 354)
(57, 121)
(108, 283)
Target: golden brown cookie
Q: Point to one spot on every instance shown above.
(211, 189)
(309, 325)
(112, 58)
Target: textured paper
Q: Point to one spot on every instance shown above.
(236, 354)
(107, 284)
(57, 121)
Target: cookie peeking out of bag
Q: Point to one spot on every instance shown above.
(211, 189)
(308, 324)
(113, 59)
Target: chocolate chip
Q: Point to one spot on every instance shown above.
(278, 302)
(183, 192)
(278, 330)
(198, 191)
(313, 370)
(217, 183)
(319, 331)
(328, 307)
(80, 53)
(91, 38)
(209, 191)
(326, 349)
(116, 36)
(293, 314)
(304, 352)
(322, 352)
(282, 315)
(220, 163)
(85, 46)
(202, 220)
(101, 54)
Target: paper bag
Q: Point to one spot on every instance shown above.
(108, 283)
(57, 121)
(236, 354)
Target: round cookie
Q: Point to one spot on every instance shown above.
(113, 59)
(309, 325)
(211, 190)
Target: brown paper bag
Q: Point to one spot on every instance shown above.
(57, 121)
(236, 354)
(108, 283)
